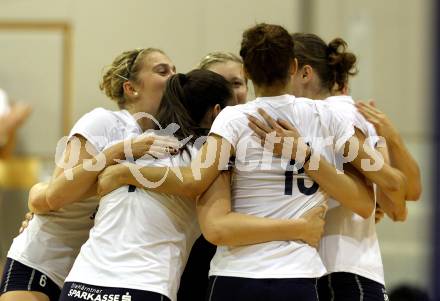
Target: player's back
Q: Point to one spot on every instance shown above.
(263, 187)
(141, 239)
(349, 243)
(52, 241)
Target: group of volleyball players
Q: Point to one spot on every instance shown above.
(239, 201)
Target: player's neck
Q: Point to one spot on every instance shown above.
(315, 93)
(317, 96)
(144, 123)
(270, 91)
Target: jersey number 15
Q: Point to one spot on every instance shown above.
(288, 183)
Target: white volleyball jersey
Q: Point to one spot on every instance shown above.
(344, 105)
(51, 241)
(267, 190)
(350, 243)
(141, 239)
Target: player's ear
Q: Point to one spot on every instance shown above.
(293, 67)
(307, 73)
(215, 111)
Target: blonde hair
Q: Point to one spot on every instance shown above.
(125, 67)
(218, 57)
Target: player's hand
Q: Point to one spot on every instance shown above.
(315, 221)
(279, 134)
(111, 178)
(19, 113)
(154, 145)
(384, 126)
(15, 118)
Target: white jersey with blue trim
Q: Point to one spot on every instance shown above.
(350, 243)
(52, 241)
(261, 185)
(141, 239)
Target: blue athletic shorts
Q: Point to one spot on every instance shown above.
(76, 291)
(194, 281)
(223, 288)
(20, 277)
(350, 287)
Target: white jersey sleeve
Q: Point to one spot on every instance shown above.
(343, 131)
(344, 107)
(332, 124)
(228, 124)
(367, 128)
(94, 126)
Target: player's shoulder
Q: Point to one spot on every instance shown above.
(97, 122)
(102, 113)
(307, 107)
(328, 112)
(307, 103)
(96, 115)
(101, 118)
(232, 113)
(341, 99)
(303, 101)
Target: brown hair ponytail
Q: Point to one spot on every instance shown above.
(342, 62)
(332, 62)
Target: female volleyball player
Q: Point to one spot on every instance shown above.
(42, 255)
(230, 66)
(349, 247)
(350, 244)
(194, 280)
(269, 190)
(311, 51)
(154, 232)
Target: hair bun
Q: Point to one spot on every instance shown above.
(341, 61)
(336, 51)
(267, 52)
(335, 45)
